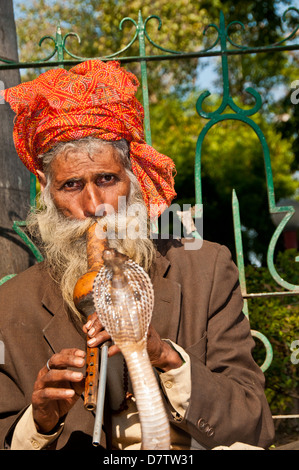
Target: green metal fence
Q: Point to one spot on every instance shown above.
(223, 46)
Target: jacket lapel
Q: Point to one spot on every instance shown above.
(60, 332)
(167, 305)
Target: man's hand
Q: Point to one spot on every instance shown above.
(161, 354)
(57, 390)
(98, 335)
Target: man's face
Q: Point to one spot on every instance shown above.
(80, 184)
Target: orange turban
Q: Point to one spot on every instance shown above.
(91, 99)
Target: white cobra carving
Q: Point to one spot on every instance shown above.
(124, 299)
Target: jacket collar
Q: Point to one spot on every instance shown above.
(167, 304)
(59, 333)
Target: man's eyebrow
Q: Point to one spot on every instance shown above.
(60, 180)
(69, 178)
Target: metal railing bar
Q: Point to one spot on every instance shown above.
(270, 294)
(285, 416)
(151, 58)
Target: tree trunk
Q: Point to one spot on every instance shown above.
(14, 177)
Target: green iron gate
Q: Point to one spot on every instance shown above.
(223, 46)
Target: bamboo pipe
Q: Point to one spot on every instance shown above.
(84, 303)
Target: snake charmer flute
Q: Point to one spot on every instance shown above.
(84, 302)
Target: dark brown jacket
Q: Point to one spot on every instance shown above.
(198, 305)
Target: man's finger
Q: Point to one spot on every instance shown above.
(61, 375)
(98, 339)
(66, 358)
(51, 393)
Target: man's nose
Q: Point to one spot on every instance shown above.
(92, 197)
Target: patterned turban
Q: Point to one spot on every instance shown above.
(92, 99)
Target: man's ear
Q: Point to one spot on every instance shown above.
(42, 179)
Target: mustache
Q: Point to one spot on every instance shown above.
(62, 241)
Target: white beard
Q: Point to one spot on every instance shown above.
(63, 241)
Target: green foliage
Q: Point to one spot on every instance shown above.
(183, 25)
(277, 319)
(232, 157)
(97, 24)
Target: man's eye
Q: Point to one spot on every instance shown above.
(71, 185)
(102, 179)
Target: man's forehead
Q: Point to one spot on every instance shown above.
(81, 150)
(81, 161)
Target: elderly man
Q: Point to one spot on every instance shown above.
(80, 132)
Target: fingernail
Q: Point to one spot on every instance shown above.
(88, 324)
(79, 362)
(80, 353)
(91, 342)
(77, 375)
(91, 331)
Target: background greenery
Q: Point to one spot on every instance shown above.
(277, 319)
